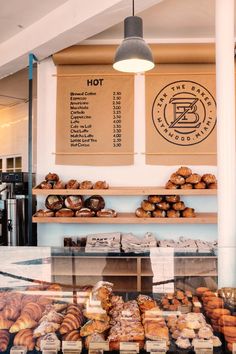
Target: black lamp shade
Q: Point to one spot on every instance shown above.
(133, 55)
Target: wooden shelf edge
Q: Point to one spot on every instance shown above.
(125, 191)
(129, 218)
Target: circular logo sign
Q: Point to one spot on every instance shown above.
(184, 113)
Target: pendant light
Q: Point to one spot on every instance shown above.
(133, 55)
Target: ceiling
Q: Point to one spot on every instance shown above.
(47, 26)
(16, 15)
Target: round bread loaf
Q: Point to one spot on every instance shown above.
(193, 178)
(186, 186)
(52, 177)
(173, 213)
(230, 331)
(163, 206)
(74, 202)
(184, 171)
(44, 213)
(101, 185)
(178, 206)
(64, 212)
(147, 206)
(209, 178)
(188, 213)
(72, 184)
(107, 213)
(200, 185)
(159, 213)
(177, 179)
(95, 203)
(227, 320)
(86, 185)
(140, 213)
(45, 185)
(212, 186)
(59, 185)
(170, 185)
(216, 313)
(172, 198)
(85, 213)
(54, 202)
(155, 198)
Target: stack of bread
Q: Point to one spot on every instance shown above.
(174, 301)
(183, 178)
(52, 181)
(96, 312)
(126, 323)
(75, 205)
(187, 328)
(222, 319)
(153, 322)
(160, 206)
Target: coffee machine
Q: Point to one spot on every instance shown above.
(14, 209)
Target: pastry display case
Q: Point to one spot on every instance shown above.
(67, 299)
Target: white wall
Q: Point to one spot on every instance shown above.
(14, 132)
(138, 174)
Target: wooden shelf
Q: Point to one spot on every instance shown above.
(123, 191)
(129, 218)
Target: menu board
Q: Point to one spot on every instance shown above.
(94, 118)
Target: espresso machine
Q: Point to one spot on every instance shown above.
(14, 209)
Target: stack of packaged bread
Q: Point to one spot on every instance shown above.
(161, 206)
(184, 178)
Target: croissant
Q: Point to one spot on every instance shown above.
(4, 323)
(27, 299)
(25, 337)
(2, 303)
(23, 322)
(94, 326)
(69, 323)
(72, 336)
(33, 310)
(11, 312)
(4, 340)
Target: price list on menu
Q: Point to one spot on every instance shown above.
(95, 120)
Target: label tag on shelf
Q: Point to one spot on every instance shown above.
(71, 346)
(184, 309)
(129, 347)
(50, 346)
(18, 349)
(157, 346)
(202, 346)
(99, 346)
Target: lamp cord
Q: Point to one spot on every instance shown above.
(133, 7)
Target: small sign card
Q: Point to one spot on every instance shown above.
(71, 346)
(18, 349)
(202, 346)
(103, 346)
(157, 346)
(129, 347)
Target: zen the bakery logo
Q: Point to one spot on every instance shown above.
(184, 113)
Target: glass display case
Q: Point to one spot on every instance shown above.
(162, 301)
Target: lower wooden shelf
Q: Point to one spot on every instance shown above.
(129, 218)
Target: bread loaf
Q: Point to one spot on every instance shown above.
(177, 179)
(101, 185)
(59, 185)
(54, 202)
(64, 212)
(172, 198)
(170, 185)
(193, 178)
(147, 206)
(45, 185)
(85, 212)
(155, 198)
(44, 213)
(52, 177)
(140, 213)
(106, 213)
(74, 202)
(95, 203)
(184, 171)
(72, 184)
(86, 185)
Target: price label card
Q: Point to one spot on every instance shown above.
(202, 346)
(50, 344)
(18, 349)
(234, 348)
(158, 346)
(129, 347)
(75, 346)
(104, 346)
(184, 309)
(153, 312)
